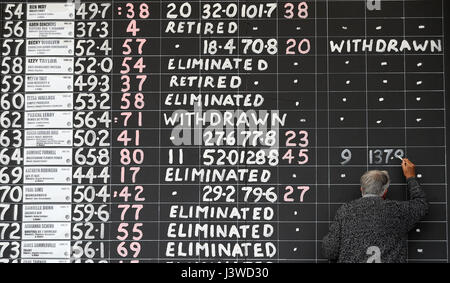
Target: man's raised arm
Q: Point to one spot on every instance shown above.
(417, 207)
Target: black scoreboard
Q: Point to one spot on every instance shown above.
(213, 131)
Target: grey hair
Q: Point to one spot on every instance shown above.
(375, 182)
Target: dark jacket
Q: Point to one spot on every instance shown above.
(371, 229)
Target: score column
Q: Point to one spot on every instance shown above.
(347, 105)
(135, 141)
(425, 126)
(92, 133)
(298, 146)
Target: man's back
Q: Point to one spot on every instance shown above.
(371, 229)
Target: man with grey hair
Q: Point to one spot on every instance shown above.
(372, 229)
(375, 183)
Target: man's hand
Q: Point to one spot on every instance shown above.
(409, 169)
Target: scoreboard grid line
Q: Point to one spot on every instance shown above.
(445, 123)
(405, 99)
(278, 169)
(316, 122)
(111, 139)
